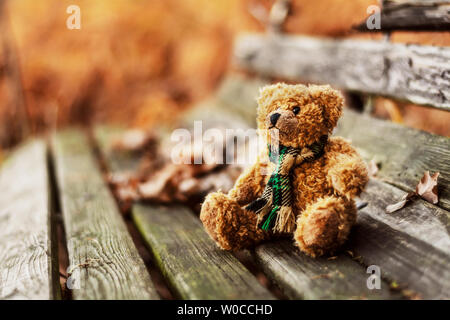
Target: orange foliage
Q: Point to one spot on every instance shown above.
(134, 62)
(142, 62)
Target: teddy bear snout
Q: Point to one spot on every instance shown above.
(274, 118)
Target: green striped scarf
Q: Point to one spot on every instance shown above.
(274, 207)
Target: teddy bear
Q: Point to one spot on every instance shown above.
(302, 185)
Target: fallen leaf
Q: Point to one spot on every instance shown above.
(135, 140)
(397, 206)
(427, 187)
(152, 188)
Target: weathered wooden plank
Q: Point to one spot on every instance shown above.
(28, 256)
(404, 154)
(104, 262)
(192, 263)
(420, 219)
(303, 277)
(416, 73)
(413, 15)
(410, 246)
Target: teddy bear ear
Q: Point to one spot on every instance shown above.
(267, 95)
(330, 100)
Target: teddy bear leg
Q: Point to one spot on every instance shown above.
(324, 225)
(232, 227)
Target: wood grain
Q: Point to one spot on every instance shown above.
(419, 219)
(404, 154)
(103, 259)
(410, 246)
(414, 15)
(303, 277)
(416, 73)
(28, 258)
(192, 263)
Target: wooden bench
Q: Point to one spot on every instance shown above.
(411, 246)
(43, 179)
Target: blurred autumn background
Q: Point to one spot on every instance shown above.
(143, 62)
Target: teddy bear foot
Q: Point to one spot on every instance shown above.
(324, 226)
(232, 227)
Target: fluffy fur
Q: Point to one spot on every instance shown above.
(323, 189)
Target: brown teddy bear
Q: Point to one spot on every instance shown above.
(304, 184)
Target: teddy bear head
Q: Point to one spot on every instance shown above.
(298, 115)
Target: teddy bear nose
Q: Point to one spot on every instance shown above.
(274, 118)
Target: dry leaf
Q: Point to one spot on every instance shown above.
(127, 193)
(135, 140)
(372, 168)
(427, 187)
(152, 188)
(397, 206)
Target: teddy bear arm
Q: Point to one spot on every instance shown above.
(347, 174)
(249, 185)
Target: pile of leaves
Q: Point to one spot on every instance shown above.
(137, 63)
(158, 179)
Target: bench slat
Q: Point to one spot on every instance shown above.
(405, 154)
(410, 246)
(411, 72)
(102, 255)
(303, 277)
(418, 219)
(190, 261)
(413, 15)
(28, 252)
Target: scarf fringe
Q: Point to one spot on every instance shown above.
(285, 222)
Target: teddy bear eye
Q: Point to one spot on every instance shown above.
(296, 110)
